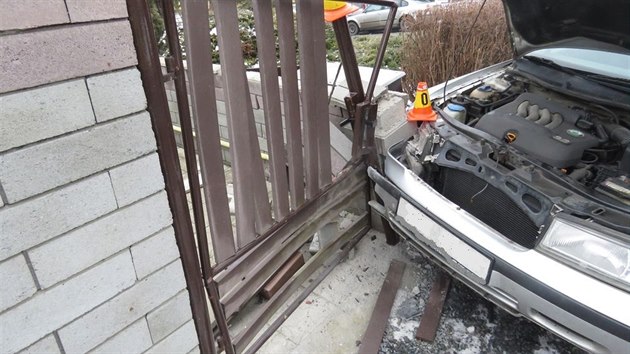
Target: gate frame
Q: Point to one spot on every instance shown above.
(197, 266)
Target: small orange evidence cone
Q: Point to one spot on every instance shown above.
(334, 10)
(422, 110)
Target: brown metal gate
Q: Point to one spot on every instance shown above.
(304, 195)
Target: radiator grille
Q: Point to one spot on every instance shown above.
(491, 206)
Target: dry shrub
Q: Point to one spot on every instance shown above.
(434, 47)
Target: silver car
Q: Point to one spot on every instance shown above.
(521, 188)
(373, 17)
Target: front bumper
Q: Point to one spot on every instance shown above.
(586, 312)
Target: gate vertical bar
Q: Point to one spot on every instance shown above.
(320, 93)
(309, 104)
(348, 58)
(253, 213)
(201, 78)
(183, 108)
(204, 105)
(150, 71)
(291, 98)
(265, 39)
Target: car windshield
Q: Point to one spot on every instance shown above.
(609, 64)
(371, 8)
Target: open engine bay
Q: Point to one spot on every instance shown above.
(514, 154)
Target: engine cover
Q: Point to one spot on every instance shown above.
(542, 128)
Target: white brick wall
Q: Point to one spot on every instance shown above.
(66, 159)
(47, 345)
(25, 225)
(170, 316)
(123, 86)
(17, 282)
(134, 339)
(49, 111)
(154, 252)
(50, 309)
(137, 179)
(88, 257)
(178, 342)
(95, 241)
(104, 321)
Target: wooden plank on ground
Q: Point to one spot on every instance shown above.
(373, 336)
(433, 310)
(284, 273)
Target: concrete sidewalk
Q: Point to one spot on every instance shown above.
(334, 317)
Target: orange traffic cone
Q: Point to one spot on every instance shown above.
(422, 110)
(334, 10)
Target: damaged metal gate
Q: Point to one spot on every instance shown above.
(304, 195)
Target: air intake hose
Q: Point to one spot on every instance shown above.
(618, 134)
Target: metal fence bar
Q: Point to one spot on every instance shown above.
(176, 69)
(204, 106)
(266, 41)
(191, 161)
(252, 213)
(288, 66)
(320, 93)
(309, 100)
(241, 279)
(150, 71)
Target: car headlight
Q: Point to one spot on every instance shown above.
(589, 250)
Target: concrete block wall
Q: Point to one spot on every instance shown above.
(88, 259)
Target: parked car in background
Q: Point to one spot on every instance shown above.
(521, 188)
(374, 17)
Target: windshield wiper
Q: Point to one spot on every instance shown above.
(616, 84)
(612, 82)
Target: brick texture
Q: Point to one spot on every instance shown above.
(44, 113)
(17, 282)
(109, 318)
(137, 179)
(91, 243)
(74, 156)
(154, 252)
(170, 316)
(133, 339)
(116, 94)
(51, 309)
(47, 345)
(88, 255)
(25, 225)
(23, 14)
(82, 10)
(181, 341)
(40, 57)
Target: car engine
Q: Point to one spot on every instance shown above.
(587, 142)
(511, 152)
(541, 128)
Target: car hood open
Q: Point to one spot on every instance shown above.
(588, 24)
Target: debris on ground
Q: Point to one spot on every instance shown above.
(470, 324)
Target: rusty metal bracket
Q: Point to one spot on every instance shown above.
(362, 119)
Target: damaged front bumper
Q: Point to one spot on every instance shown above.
(581, 309)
